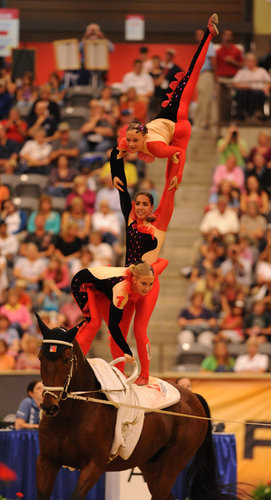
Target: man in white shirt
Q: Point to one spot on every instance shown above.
(253, 361)
(30, 268)
(221, 218)
(9, 244)
(141, 81)
(102, 252)
(35, 155)
(252, 85)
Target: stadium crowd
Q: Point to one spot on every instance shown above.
(60, 212)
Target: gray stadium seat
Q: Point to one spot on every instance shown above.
(59, 204)
(75, 116)
(40, 180)
(26, 189)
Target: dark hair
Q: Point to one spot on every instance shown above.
(259, 190)
(137, 61)
(138, 126)
(143, 50)
(144, 193)
(31, 386)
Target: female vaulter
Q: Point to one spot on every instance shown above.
(167, 136)
(144, 240)
(102, 294)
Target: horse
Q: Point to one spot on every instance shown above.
(79, 433)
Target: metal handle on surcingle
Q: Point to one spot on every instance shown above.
(134, 375)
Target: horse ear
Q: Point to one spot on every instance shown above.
(73, 331)
(43, 328)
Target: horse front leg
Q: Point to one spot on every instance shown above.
(89, 476)
(46, 474)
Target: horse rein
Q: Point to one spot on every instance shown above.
(64, 394)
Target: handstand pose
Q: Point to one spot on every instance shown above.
(167, 136)
(102, 294)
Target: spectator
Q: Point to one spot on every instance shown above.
(252, 85)
(229, 57)
(258, 322)
(263, 268)
(24, 297)
(41, 119)
(232, 144)
(68, 244)
(252, 224)
(258, 168)
(158, 75)
(52, 218)
(197, 322)
(9, 244)
(207, 263)
(28, 413)
(58, 272)
(109, 193)
(141, 81)
(64, 145)
(263, 147)
(7, 362)
(230, 292)
(219, 361)
(206, 111)
(72, 313)
(35, 154)
(5, 100)
(231, 172)
(221, 218)
(255, 194)
(30, 268)
(26, 93)
(16, 128)
(184, 382)
(133, 106)
(236, 263)
(41, 238)
(253, 361)
(8, 152)
(14, 217)
(61, 178)
(48, 298)
(80, 188)
(17, 313)
(170, 68)
(226, 188)
(209, 286)
(28, 358)
(45, 95)
(57, 90)
(9, 335)
(98, 133)
(231, 324)
(106, 222)
(108, 103)
(144, 58)
(102, 252)
(78, 216)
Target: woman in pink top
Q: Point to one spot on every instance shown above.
(28, 359)
(231, 172)
(16, 312)
(58, 272)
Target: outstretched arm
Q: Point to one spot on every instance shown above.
(160, 149)
(117, 172)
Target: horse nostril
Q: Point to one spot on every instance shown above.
(50, 411)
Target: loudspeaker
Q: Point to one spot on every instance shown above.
(22, 60)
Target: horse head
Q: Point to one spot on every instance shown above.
(56, 357)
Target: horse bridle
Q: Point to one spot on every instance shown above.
(64, 394)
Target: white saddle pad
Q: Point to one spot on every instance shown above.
(156, 395)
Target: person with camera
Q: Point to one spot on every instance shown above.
(15, 127)
(232, 144)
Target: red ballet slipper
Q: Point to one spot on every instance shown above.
(141, 380)
(212, 25)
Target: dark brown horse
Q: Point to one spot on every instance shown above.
(80, 434)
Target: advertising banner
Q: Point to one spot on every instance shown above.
(246, 400)
(9, 30)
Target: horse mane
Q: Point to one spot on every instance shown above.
(87, 375)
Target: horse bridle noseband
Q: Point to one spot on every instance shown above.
(64, 394)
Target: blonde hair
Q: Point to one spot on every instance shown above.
(141, 269)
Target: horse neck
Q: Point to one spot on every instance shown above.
(83, 377)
